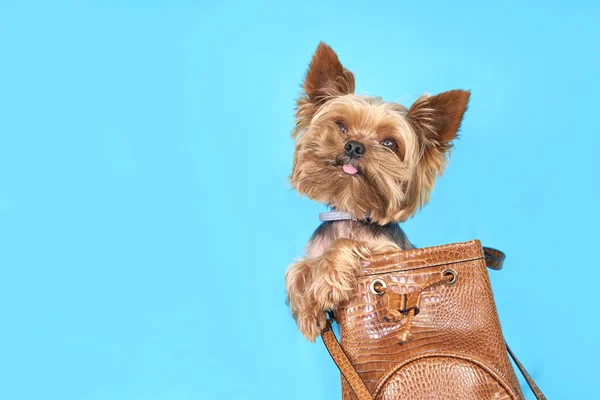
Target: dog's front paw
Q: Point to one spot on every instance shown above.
(310, 324)
(335, 278)
(309, 317)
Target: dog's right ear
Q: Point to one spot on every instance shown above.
(326, 77)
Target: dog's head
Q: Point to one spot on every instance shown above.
(373, 159)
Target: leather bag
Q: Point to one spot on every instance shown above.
(424, 325)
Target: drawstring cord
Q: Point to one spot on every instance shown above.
(407, 304)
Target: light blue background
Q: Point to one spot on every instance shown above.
(145, 219)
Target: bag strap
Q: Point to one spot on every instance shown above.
(343, 363)
(494, 260)
(358, 385)
(534, 388)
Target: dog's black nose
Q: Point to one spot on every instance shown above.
(354, 149)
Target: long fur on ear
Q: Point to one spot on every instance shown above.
(437, 118)
(436, 121)
(326, 78)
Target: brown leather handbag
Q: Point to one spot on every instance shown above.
(424, 326)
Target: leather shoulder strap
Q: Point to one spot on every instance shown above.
(343, 363)
(493, 258)
(534, 388)
(357, 384)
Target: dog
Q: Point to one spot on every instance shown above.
(374, 163)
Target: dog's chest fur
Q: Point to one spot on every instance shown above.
(329, 231)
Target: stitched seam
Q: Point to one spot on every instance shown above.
(480, 364)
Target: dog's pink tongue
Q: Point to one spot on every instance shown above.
(349, 169)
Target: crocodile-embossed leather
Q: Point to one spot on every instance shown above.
(457, 349)
(337, 353)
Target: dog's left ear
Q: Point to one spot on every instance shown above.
(437, 118)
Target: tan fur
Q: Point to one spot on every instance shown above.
(391, 186)
(325, 279)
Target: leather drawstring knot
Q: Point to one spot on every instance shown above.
(400, 305)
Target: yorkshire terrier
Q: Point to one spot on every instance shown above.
(374, 163)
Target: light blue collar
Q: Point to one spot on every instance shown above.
(336, 216)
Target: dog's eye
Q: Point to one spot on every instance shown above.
(342, 126)
(389, 143)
